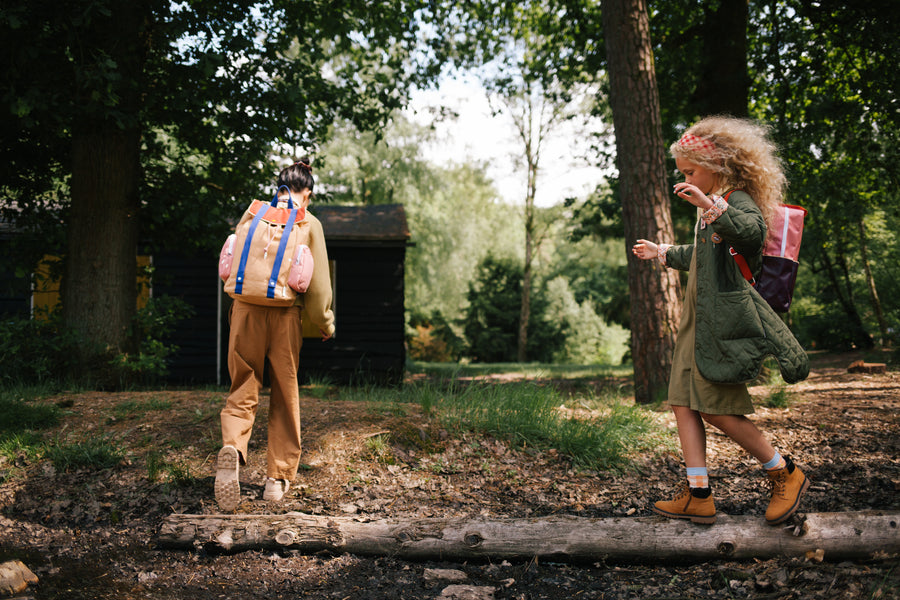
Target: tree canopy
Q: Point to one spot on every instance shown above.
(151, 122)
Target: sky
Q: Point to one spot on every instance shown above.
(479, 137)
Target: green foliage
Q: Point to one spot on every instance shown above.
(587, 337)
(379, 449)
(452, 213)
(152, 325)
(779, 397)
(35, 351)
(213, 85)
(158, 468)
(21, 418)
(561, 329)
(434, 339)
(27, 444)
(823, 75)
(492, 320)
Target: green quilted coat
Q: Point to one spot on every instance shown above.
(736, 328)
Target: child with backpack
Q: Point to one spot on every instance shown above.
(727, 328)
(264, 329)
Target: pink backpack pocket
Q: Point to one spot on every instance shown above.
(301, 269)
(785, 232)
(226, 256)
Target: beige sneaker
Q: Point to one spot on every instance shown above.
(228, 487)
(275, 489)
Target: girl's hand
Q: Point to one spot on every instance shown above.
(645, 249)
(692, 194)
(325, 336)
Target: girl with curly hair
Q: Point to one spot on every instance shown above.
(735, 180)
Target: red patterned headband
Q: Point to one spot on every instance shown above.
(694, 143)
(303, 164)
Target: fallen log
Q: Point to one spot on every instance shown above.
(850, 535)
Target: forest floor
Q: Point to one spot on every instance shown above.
(92, 534)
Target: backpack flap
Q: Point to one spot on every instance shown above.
(266, 239)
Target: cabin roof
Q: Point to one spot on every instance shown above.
(370, 223)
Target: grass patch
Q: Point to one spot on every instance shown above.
(20, 420)
(18, 412)
(319, 387)
(95, 453)
(25, 444)
(606, 433)
(138, 408)
(530, 415)
(527, 370)
(779, 397)
(379, 449)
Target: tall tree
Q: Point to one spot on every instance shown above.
(129, 117)
(654, 291)
(535, 114)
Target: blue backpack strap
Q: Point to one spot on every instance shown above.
(239, 280)
(282, 245)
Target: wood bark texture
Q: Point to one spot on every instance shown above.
(850, 535)
(100, 284)
(655, 291)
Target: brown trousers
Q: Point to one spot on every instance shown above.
(257, 333)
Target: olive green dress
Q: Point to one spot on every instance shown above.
(686, 386)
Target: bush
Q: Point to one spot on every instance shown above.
(588, 339)
(35, 351)
(491, 323)
(150, 327)
(432, 339)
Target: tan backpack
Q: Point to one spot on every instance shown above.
(274, 261)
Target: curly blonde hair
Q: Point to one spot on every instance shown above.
(743, 157)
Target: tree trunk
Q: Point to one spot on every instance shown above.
(525, 309)
(654, 291)
(100, 280)
(100, 290)
(873, 291)
(838, 535)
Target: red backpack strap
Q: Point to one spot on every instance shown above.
(740, 260)
(742, 265)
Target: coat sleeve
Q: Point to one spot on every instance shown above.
(317, 299)
(679, 257)
(742, 225)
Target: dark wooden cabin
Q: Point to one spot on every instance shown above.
(366, 250)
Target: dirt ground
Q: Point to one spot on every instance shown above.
(92, 534)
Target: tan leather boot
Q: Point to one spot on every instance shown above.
(689, 505)
(788, 486)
